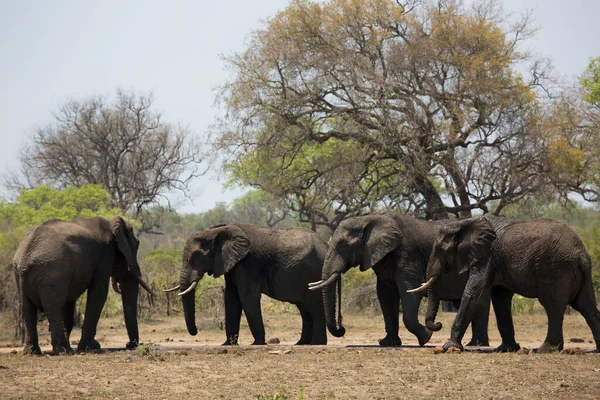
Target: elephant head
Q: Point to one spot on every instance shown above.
(363, 241)
(464, 245)
(126, 276)
(214, 251)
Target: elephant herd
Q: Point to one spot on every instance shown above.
(469, 261)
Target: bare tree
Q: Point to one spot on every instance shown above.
(122, 145)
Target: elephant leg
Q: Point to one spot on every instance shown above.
(554, 337)
(30, 320)
(410, 317)
(389, 299)
(68, 318)
(477, 292)
(585, 303)
(251, 305)
(479, 326)
(319, 325)
(96, 297)
(233, 313)
(53, 303)
(502, 299)
(307, 325)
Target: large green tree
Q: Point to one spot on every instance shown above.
(332, 101)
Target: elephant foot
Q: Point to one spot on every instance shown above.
(232, 340)
(478, 342)
(319, 342)
(32, 349)
(302, 342)
(259, 343)
(131, 345)
(451, 344)
(507, 348)
(89, 346)
(423, 340)
(546, 347)
(61, 349)
(390, 341)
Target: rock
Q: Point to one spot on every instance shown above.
(273, 341)
(454, 350)
(576, 340)
(438, 350)
(223, 351)
(523, 350)
(575, 351)
(288, 352)
(275, 352)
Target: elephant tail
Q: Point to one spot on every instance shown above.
(586, 268)
(19, 326)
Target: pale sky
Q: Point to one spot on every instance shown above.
(52, 51)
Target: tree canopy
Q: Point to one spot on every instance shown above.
(347, 105)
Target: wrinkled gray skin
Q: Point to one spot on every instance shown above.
(541, 258)
(397, 248)
(277, 262)
(57, 261)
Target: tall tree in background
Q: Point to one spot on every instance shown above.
(427, 96)
(123, 145)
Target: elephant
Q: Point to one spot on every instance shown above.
(541, 258)
(254, 259)
(59, 260)
(397, 247)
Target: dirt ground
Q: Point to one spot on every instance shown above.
(171, 363)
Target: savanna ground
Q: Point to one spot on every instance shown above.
(171, 363)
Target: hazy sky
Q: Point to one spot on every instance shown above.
(55, 50)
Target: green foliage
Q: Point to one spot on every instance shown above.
(590, 82)
(281, 395)
(523, 305)
(43, 203)
(358, 290)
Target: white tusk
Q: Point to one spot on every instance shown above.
(423, 286)
(315, 283)
(321, 284)
(186, 291)
(115, 285)
(172, 289)
(145, 285)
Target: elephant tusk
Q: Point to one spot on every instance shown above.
(423, 286)
(321, 284)
(186, 291)
(172, 289)
(145, 285)
(115, 285)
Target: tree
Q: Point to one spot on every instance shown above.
(427, 96)
(123, 145)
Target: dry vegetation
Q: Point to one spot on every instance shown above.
(173, 363)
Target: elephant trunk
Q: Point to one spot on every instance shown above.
(189, 300)
(129, 295)
(334, 325)
(433, 300)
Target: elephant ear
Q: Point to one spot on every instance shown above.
(231, 245)
(474, 237)
(381, 236)
(118, 228)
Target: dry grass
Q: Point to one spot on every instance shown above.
(173, 363)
